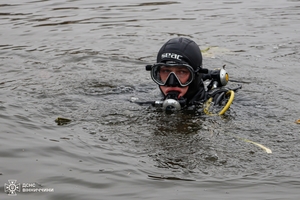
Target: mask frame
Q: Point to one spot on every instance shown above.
(155, 74)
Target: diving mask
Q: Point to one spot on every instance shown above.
(171, 74)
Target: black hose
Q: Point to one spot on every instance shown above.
(145, 102)
(219, 98)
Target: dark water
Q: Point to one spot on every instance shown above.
(84, 60)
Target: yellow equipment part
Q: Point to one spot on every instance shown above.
(207, 104)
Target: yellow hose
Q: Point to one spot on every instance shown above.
(229, 102)
(225, 108)
(207, 106)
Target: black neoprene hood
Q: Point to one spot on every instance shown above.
(186, 51)
(181, 50)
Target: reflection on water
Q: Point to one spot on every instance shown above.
(84, 60)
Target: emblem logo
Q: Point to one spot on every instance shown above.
(12, 187)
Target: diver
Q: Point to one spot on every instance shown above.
(180, 76)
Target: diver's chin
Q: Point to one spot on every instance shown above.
(181, 90)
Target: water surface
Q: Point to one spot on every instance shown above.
(84, 60)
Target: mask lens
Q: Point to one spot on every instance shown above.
(183, 73)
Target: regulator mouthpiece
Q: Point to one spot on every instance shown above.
(171, 105)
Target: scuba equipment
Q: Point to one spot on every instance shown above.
(217, 96)
(171, 74)
(220, 77)
(172, 102)
(178, 72)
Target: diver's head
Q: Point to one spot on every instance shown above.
(177, 69)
